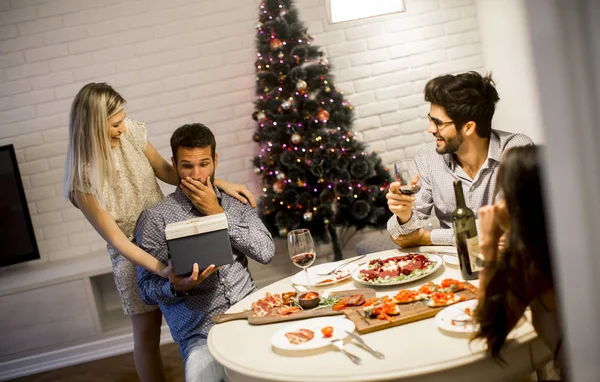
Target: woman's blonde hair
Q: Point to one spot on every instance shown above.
(89, 163)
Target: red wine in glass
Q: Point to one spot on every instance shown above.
(304, 259)
(301, 249)
(406, 171)
(409, 189)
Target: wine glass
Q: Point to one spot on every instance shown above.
(302, 250)
(406, 170)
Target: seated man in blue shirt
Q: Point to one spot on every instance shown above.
(466, 148)
(188, 303)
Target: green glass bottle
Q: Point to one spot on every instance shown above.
(465, 233)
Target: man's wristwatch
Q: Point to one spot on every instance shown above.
(482, 262)
(177, 293)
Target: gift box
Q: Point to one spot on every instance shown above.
(203, 240)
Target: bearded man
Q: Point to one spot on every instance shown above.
(466, 148)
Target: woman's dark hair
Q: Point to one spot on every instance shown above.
(465, 97)
(191, 136)
(523, 271)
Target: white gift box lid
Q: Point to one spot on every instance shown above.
(196, 226)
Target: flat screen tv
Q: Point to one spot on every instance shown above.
(17, 240)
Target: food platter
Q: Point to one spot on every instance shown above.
(388, 269)
(323, 280)
(340, 326)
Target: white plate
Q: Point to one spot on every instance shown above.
(300, 277)
(432, 257)
(340, 325)
(451, 260)
(444, 318)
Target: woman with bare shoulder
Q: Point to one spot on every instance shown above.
(111, 175)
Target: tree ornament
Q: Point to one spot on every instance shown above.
(281, 55)
(296, 138)
(301, 85)
(323, 115)
(283, 231)
(326, 221)
(281, 77)
(324, 61)
(308, 216)
(285, 105)
(327, 89)
(280, 176)
(257, 170)
(275, 44)
(278, 186)
(258, 25)
(256, 137)
(261, 116)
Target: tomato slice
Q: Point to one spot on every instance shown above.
(327, 331)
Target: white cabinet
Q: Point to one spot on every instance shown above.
(58, 314)
(43, 317)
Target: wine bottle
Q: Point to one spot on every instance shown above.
(465, 233)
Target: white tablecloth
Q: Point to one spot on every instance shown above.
(417, 351)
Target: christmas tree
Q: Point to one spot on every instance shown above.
(315, 173)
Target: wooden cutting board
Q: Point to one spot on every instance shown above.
(303, 314)
(414, 311)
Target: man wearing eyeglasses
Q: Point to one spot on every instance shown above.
(466, 148)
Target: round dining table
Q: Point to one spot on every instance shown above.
(417, 351)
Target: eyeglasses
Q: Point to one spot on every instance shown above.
(439, 124)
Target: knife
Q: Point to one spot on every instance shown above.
(364, 345)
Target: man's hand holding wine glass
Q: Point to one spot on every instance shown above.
(401, 198)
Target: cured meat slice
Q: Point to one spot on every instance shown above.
(285, 310)
(354, 300)
(301, 336)
(261, 308)
(307, 333)
(273, 299)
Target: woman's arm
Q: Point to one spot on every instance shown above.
(162, 169)
(106, 226)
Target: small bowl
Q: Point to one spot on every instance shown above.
(308, 303)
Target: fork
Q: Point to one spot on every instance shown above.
(362, 343)
(340, 345)
(342, 265)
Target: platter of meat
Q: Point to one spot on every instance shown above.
(277, 307)
(395, 270)
(312, 334)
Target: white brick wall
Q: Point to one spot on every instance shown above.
(188, 60)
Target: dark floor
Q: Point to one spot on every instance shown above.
(114, 369)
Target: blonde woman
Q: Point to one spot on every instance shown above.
(110, 175)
